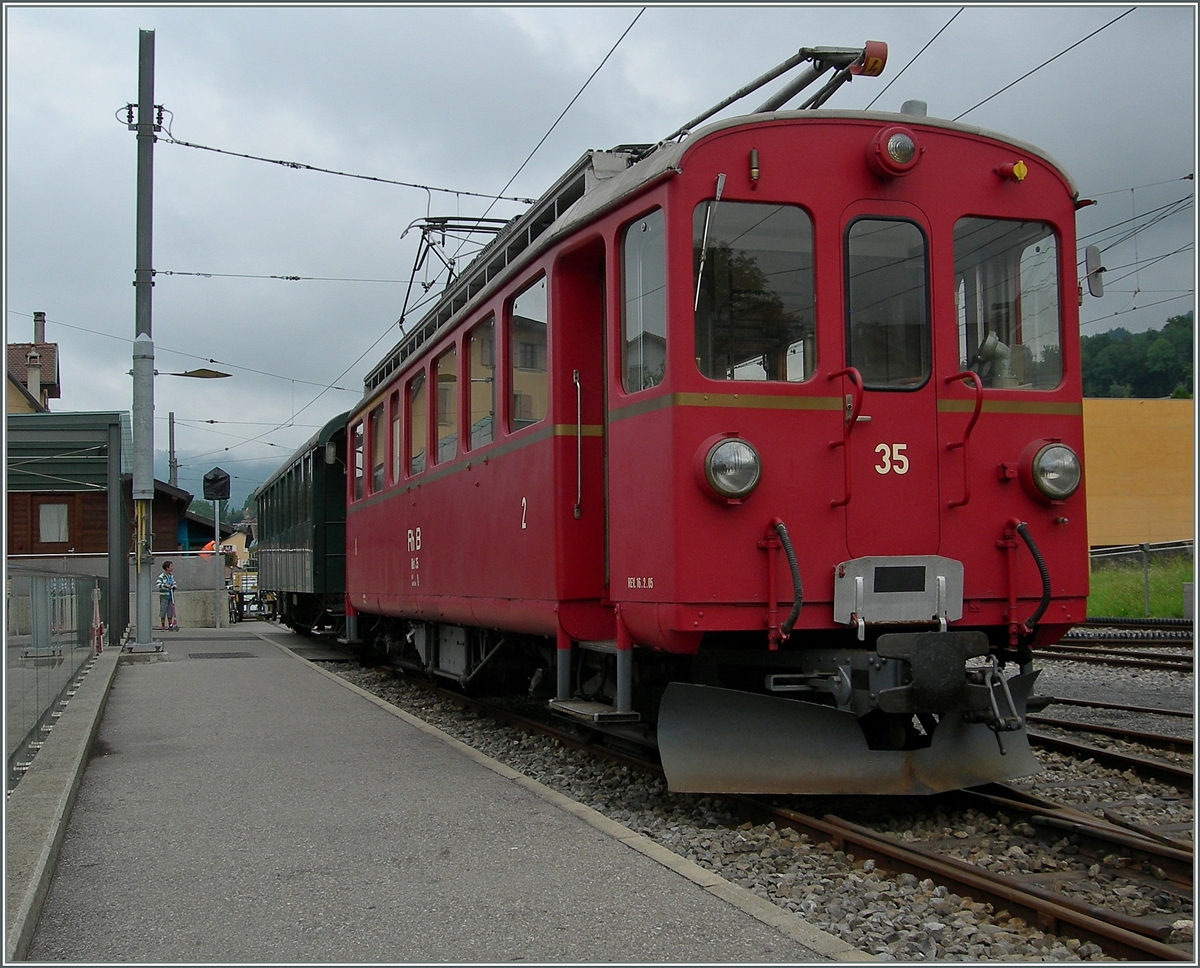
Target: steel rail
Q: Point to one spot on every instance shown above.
(1102, 621)
(1163, 838)
(1109, 642)
(1160, 741)
(1118, 934)
(1175, 858)
(1044, 653)
(1176, 776)
(1124, 646)
(1098, 704)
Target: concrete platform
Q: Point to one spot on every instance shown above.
(241, 805)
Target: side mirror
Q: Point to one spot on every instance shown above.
(1095, 280)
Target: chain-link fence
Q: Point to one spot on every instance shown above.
(53, 626)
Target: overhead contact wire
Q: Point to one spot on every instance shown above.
(915, 56)
(561, 116)
(172, 140)
(1044, 63)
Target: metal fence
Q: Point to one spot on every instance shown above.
(1141, 552)
(53, 627)
(1143, 556)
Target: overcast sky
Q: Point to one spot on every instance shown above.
(458, 97)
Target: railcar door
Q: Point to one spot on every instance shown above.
(892, 484)
(579, 279)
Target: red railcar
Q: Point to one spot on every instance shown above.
(772, 436)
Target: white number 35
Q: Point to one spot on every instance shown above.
(892, 459)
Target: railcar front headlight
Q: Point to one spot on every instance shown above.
(1056, 471)
(732, 468)
(1050, 471)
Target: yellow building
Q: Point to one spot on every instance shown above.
(1140, 461)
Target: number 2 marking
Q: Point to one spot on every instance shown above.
(892, 459)
(524, 508)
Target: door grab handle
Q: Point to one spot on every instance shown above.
(974, 378)
(848, 424)
(578, 445)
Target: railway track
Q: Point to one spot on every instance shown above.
(1092, 658)
(1158, 741)
(1115, 641)
(1101, 621)
(1121, 707)
(1119, 935)
(1171, 650)
(1049, 909)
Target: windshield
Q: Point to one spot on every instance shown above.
(754, 307)
(886, 304)
(1007, 301)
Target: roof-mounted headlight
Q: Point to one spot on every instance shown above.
(893, 151)
(729, 466)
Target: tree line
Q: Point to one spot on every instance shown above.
(1151, 365)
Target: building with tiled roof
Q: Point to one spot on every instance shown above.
(41, 387)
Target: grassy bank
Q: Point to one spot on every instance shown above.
(1118, 587)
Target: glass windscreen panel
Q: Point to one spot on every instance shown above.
(1008, 302)
(644, 303)
(417, 424)
(446, 369)
(481, 364)
(754, 316)
(887, 303)
(527, 356)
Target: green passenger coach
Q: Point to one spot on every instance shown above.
(302, 533)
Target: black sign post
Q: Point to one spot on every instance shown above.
(216, 489)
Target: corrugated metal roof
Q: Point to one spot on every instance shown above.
(59, 452)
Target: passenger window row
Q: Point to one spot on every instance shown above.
(415, 412)
(754, 320)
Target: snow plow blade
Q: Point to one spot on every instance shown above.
(715, 740)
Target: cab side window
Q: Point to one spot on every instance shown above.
(356, 436)
(644, 303)
(446, 369)
(397, 431)
(754, 291)
(527, 357)
(481, 367)
(418, 426)
(378, 449)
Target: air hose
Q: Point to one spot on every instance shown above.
(786, 627)
(1041, 566)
